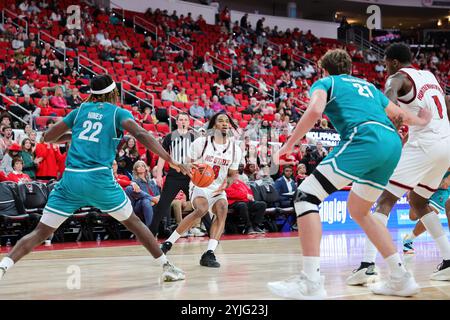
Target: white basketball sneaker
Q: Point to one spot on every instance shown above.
(172, 273)
(365, 274)
(405, 286)
(442, 272)
(299, 287)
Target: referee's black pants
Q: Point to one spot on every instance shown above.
(172, 186)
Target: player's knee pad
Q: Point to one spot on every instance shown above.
(311, 193)
(305, 203)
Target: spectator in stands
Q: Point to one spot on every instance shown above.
(196, 110)
(379, 67)
(324, 124)
(209, 113)
(58, 100)
(13, 89)
(49, 155)
(130, 154)
(229, 99)
(56, 16)
(225, 18)
(264, 177)
(148, 117)
(28, 89)
(66, 88)
(310, 161)
(301, 174)
(28, 110)
(251, 170)
(6, 140)
(59, 43)
(44, 107)
(123, 180)
(168, 94)
(33, 8)
(244, 21)
(216, 106)
(260, 25)
(106, 54)
(17, 175)
(253, 107)
(241, 199)
(106, 42)
(13, 151)
(27, 155)
(18, 44)
(56, 77)
(26, 133)
(143, 192)
(286, 187)
(70, 67)
(320, 153)
(182, 96)
(74, 100)
(208, 67)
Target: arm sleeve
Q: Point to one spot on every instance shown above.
(70, 118)
(121, 116)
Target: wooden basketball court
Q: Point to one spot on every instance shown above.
(128, 272)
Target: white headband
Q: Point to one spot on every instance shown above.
(109, 88)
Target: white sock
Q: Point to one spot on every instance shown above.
(410, 236)
(370, 252)
(311, 267)
(174, 237)
(6, 263)
(212, 244)
(395, 265)
(162, 260)
(434, 227)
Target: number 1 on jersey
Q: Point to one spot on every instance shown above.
(439, 106)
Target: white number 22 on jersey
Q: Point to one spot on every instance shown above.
(363, 90)
(88, 125)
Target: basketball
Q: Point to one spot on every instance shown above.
(203, 175)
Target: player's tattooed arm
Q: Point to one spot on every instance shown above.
(394, 85)
(422, 119)
(58, 133)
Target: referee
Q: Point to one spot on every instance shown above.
(177, 144)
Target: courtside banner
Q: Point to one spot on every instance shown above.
(335, 216)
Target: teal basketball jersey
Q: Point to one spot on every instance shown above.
(96, 133)
(352, 102)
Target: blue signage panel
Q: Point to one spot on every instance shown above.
(334, 214)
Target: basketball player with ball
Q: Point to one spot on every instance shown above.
(216, 159)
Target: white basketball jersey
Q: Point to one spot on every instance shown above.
(426, 93)
(221, 157)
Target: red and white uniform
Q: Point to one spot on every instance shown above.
(221, 157)
(426, 155)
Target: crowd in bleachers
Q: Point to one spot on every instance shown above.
(260, 76)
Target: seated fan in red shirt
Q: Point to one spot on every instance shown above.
(17, 175)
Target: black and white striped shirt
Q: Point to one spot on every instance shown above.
(178, 146)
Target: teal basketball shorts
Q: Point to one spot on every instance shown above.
(439, 198)
(82, 188)
(367, 158)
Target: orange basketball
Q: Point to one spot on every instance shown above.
(202, 176)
